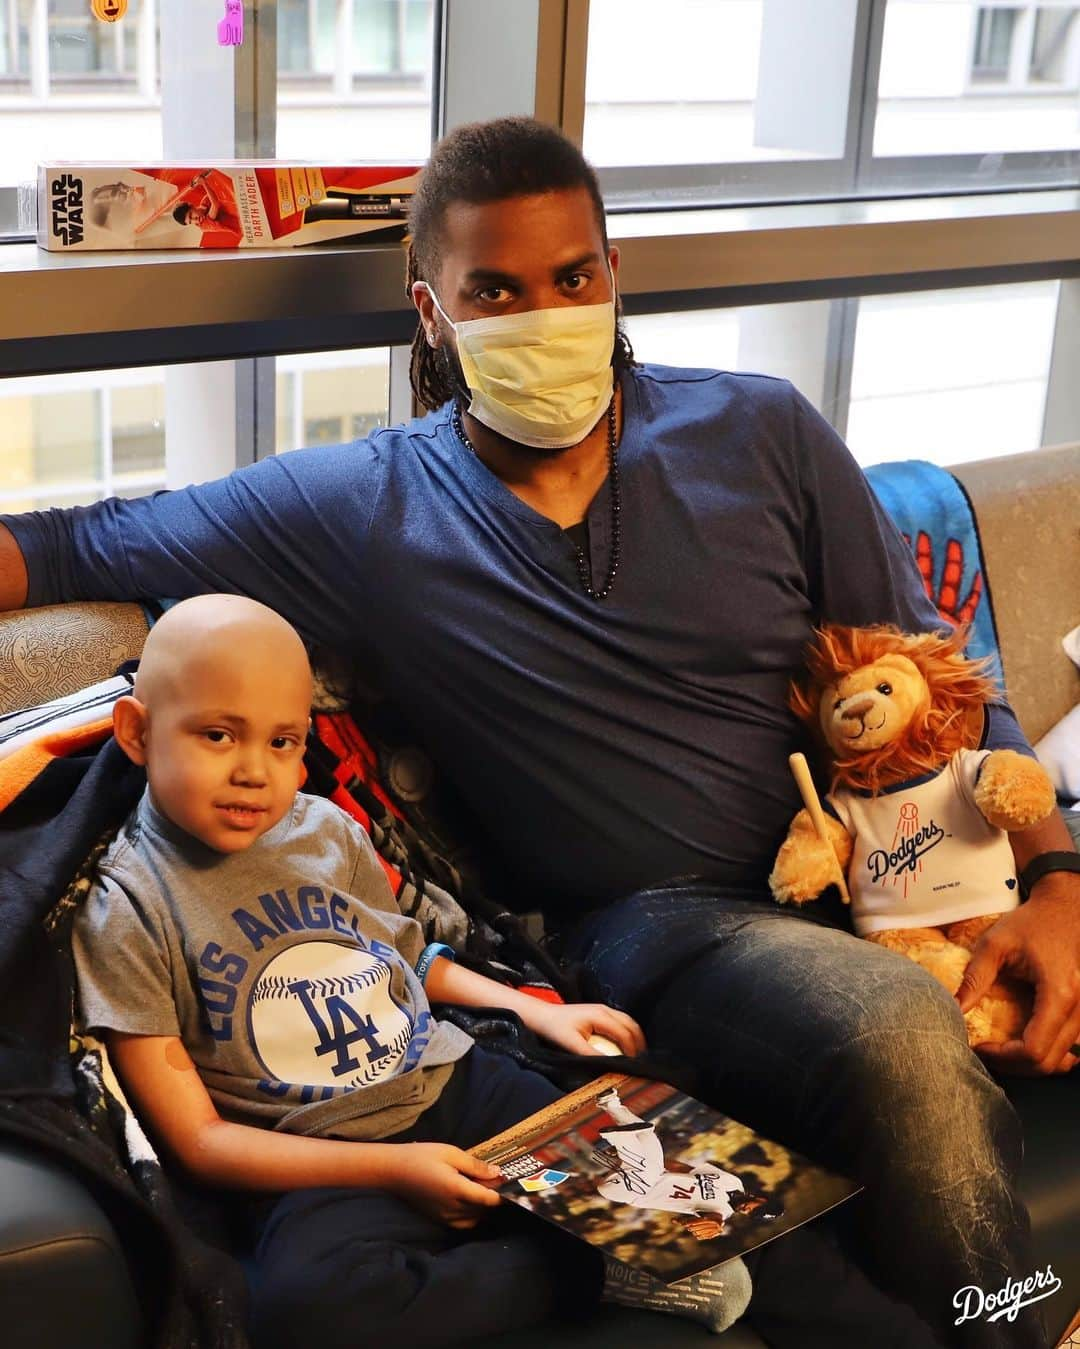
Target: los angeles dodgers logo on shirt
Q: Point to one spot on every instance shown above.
(911, 841)
(322, 1014)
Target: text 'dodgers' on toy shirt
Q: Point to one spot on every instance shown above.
(924, 854)
(286, 970)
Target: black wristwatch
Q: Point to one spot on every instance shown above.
(1042, 865)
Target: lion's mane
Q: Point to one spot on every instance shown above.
(958, 689)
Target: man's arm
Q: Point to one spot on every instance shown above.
(158, 1073)
(859, 570)
(289, 531)
(13, 579)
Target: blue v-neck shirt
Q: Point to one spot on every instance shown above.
(607, 746)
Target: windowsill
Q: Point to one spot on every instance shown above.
(83, 310)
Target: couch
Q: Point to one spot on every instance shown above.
(54, 1237)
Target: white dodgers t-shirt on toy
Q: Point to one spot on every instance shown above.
(924, 854)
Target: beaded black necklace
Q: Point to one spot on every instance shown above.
(613, 484)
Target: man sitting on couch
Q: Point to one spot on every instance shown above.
(587, 582)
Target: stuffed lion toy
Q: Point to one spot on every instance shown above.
(917, 816)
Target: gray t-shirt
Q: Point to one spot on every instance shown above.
(286, 970)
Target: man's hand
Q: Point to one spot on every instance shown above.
(444, 1182)
(1040, 943)
(570, 1024)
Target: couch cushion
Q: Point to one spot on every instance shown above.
(1028, 511)
(63, 1277)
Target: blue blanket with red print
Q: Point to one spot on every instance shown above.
(931, 510)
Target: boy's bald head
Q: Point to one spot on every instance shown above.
(206, 636)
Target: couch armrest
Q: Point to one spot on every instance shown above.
(46, 653)
(1025, 506)
(63, 1277)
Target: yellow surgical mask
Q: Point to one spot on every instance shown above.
(542, 378)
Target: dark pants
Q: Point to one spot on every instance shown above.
(852, 1055)
(355, 1267)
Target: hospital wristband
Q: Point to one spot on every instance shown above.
(429, 955)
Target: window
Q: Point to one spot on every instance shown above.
(994, 33)
(68, 440)
(1018, 94)
(72, 87)
(354, 79)
(14, 45)
(384, 39)
(756, 100)
(789, 341)
(1026, 47)
(947, 376)
(83, 49)
(653, 97)
(327, 398)
(391, 37)
(952, 375)
(1055, 49)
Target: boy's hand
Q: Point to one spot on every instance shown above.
(569, 1026)
(444, 1182)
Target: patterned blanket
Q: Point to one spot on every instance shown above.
(931, 510)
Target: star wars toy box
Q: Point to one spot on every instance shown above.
(219, 204)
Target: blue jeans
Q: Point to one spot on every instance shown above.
(850, 1054)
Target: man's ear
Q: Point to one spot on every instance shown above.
(613, 260)
(129, 727)
(425, 307)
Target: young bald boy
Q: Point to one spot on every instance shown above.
(266, 1006)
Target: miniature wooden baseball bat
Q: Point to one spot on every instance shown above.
(801, 770)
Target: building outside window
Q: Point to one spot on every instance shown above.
(994, 33)
(1034, 47)
(14, 44)
(69, 440)
(83, 49)
(390, 39)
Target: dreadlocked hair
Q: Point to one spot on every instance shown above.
(478, 163)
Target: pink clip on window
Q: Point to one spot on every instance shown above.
(230, 29)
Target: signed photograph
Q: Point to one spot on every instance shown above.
(656, 1179)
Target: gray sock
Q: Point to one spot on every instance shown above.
(717, 1297)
